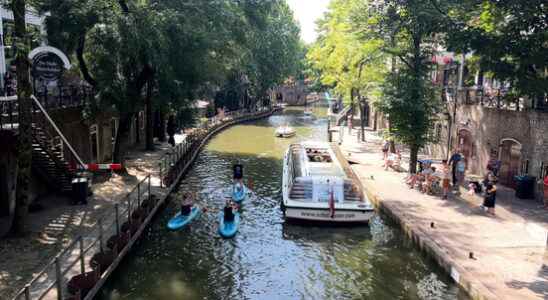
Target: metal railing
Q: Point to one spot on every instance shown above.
(57, 278)
(172, 163)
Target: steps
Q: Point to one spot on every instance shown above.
(48, 162)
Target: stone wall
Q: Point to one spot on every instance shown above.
(488, 128)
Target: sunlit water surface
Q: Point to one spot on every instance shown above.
(269, 259)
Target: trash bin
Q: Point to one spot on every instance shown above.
(79, 190)
(525, 187)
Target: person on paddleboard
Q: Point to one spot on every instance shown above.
(238, 171)
(229, 211)
(186, 204)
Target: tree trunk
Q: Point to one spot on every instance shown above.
(413, 159)
(24, 140)
(120, 143)
(162, 127)
(375, 119)
(149, 124)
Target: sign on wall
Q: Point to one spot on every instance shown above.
(48, 63)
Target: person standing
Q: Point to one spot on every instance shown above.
(385, 148)
(446, 177)
(490, 196)
(171, 129)
(453, 161)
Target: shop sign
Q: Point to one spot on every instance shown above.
(48, 63)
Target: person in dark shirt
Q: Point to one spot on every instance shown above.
(186, 204)
(453, 161)
(229, 211)
(171, 129)
(238, 171)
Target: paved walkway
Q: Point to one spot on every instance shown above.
(510, 256)
(59, 223)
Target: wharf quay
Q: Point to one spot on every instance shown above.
(84, 265)
(489, 257)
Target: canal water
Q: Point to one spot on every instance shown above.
(269, 259)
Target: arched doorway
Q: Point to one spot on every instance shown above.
(466, 146)
(510, 157)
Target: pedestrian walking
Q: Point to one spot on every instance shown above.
(446, 177)
(453, 161)
(385, 148)
(460, 172)
(490, 196)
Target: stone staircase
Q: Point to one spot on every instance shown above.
(49, 164)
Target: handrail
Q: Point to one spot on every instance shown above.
(69, 146)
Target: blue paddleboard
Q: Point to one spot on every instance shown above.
(238, 195)
(179, 221)
(228, 229)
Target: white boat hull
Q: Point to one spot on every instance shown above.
(324, 215)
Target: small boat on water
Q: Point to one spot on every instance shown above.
(179, 220)
(285, 132)
(228, 229)
(239, 192)
(319, 185)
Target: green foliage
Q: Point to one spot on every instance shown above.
(509, 37)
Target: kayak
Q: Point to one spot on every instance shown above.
(238, 196)
(179, 221)
(229, 229)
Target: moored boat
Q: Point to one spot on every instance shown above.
(319, 185)
(285, 131)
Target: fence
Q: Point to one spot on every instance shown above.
(85, 259)
(82, 264)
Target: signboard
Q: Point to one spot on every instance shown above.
(48, 63)
(47, 66)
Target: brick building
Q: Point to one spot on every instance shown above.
(486, 125)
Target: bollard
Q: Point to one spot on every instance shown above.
(82, 262)
(117, 219)
(149, 195)
(59, 279)
(139, 194)
(161, 177)
(100, 223)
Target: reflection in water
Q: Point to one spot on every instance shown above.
(269, 259)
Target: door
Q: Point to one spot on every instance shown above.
(510, 157)
(466, 146)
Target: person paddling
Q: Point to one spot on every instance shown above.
(229, 211)
(238, 171)
(186, 204)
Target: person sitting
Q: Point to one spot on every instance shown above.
(393, 161)
(228, 212)
(186, 205)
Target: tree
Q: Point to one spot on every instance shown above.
(410, 32)
(24, 139)
(509, 37)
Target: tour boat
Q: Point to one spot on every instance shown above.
(285, 131)
(319, 185)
